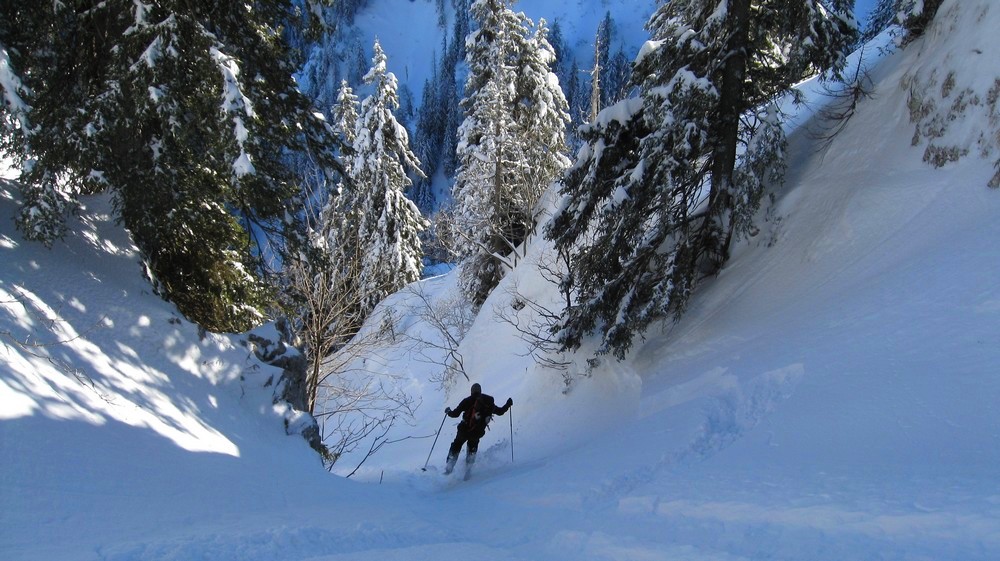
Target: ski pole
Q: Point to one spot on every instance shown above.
(435, 442)
(511, 435)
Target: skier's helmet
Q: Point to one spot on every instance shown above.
(476, 389)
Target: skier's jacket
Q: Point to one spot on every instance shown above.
(477, 410)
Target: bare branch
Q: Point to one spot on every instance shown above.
(845, 97)
(356, 394)
(450, 320)
(344, 386)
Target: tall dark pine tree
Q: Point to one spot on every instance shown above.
(602, 44)
(450, 93)
(634, 217)
(429, 138)
(185, 111)
(619, 73)
(320, 76)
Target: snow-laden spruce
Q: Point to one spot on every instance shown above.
(345, 118)
(388, 224)
(657, 197)
(511, 144)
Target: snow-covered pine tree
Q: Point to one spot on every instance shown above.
(486, 148)
(511, 143)
(609, 78)
(634, 216)
(541, 114)
(602, 45)
(356, 61)
(449, 90)
(449, 100)
(345, 118)
(320, 75)
(561, 50)
(406, 110)
(619, 73)
(442, 14)
(567, 70)
(345, 10)
(186, 112)
(769, 47)
(388, 224)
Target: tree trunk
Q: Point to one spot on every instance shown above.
(718, 229)
(595, 80)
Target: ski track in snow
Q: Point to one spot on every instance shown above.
(727, 417)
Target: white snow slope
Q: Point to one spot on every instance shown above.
(830, 396)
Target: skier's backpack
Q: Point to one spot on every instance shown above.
(481, 412)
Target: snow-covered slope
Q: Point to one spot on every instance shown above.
(830, 396)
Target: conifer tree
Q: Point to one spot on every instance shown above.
(485, 147)
(345, 115)
(387, 223)
(602, 46)
(429, 137)
(511, 143)
(449, 101)
(320, 75)
(541, 114)
(566, 69)
(595, 76)
(185, 111)
(634, 216)
(619, 72)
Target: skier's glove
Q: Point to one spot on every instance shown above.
(447, 410)
(510, 401)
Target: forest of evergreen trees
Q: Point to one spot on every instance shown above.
(250, 198)
(434, 119)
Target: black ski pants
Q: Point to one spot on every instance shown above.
(465, 434)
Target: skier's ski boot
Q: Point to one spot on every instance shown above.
(450, 465)
(470, 460)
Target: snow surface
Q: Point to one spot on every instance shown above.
(830, 396)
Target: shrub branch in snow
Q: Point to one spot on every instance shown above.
(449, 319)
(843, 97)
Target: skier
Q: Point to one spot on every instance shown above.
(476, 411)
